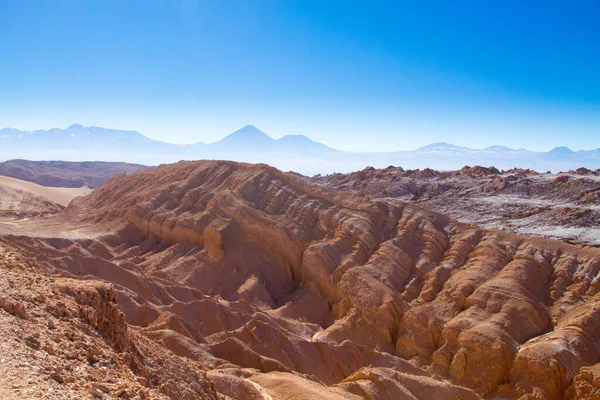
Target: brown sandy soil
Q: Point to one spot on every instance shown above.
(226, 280)
(563, 206)
(65, 173)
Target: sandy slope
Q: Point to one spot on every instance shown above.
(62, 196)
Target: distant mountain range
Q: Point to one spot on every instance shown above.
(249, 144)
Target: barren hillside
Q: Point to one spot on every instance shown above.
(64, 173)
(253, 283)
(562, 206)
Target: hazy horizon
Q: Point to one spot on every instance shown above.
(280, 136)
(353, 76)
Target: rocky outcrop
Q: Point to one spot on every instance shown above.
(278, 282)
(561, 206)
(74, 343)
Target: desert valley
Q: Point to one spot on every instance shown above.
(299, 200)
(217, 279)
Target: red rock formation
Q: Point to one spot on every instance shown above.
(280, 286)
(561, 206)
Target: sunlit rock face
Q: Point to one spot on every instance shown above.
(275, 284)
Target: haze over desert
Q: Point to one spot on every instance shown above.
(295, 200)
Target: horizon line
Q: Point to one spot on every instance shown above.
(299, 135)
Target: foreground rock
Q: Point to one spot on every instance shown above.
(266, 284)
(66, 338)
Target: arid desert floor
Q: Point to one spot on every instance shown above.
(224, 280)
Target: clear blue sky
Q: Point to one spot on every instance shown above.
(368, 75)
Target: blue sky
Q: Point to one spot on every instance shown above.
(367, 75)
